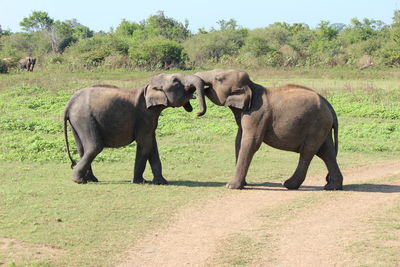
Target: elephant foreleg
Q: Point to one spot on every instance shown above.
(249, 144)
(155, 163)
(140, 165)
(238, 141)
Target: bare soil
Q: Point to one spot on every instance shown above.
(15, 251)
(316, 234)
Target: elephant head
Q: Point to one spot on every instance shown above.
(231, 88)
(175, 90)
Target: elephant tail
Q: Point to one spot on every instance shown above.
(335, 127)
(66, 119)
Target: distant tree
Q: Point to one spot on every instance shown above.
(213, 45)
(37, 21)
(228, 25)
(358, 30)
(167, 27)
(127, 28)
(4, 32)
(395, 27)
(40, 21)
(326, 30)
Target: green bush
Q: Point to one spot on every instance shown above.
(389, 54)
(212, 46)
(157, 53)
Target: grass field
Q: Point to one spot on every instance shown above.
(47, 220)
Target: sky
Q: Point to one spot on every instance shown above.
(102, 15)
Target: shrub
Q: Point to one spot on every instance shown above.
(389, 54)
(157, 53)
(117, 61)
(212, 46)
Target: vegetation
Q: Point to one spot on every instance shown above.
(160, 42)
(39, 204)
(52, 221)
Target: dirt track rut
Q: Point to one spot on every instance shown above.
(195, 234)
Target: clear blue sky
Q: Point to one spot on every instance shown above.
(101, 15)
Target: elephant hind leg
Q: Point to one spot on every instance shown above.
(89, 145)
(89, 174)
(334, 177)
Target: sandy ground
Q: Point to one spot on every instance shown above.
(316, 236)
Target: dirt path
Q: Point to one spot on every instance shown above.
(194, 236)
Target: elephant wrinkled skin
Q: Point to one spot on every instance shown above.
(108, 116)
(288, 117)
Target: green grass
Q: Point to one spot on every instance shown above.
(91, 225)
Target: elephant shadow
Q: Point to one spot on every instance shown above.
(372, 188)
(273, 186)
(189, 183)
(186, 183)
(364, 187)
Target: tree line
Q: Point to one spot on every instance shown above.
(161, 42)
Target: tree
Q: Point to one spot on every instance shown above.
(395, 27)
(167, 27)
(40, 21)
(227, 25)
(127, 28)
(4, 32)
(326, 30)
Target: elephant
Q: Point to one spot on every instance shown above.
(289, 117)
(27, 63)
(108, 116)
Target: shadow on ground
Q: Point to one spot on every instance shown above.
(189, 183)
(270, 186)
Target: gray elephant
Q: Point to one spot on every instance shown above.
(109, 116)
(27, 63)
(288, 117)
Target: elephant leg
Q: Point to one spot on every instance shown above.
(298, 177)
(140, 165)
(238, 140)
(92, 145)
(89, 175)
(249, 144)
(334, 177)
(156, 166)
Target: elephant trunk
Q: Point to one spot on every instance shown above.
(199, 85)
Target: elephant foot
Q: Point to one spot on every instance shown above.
(333, 186)
(291, 185)
(79, 180)
(159, 181)
(92, 178)
(235, 185)
(139, 181)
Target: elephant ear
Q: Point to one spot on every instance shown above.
(155, 97)
(240, 98)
